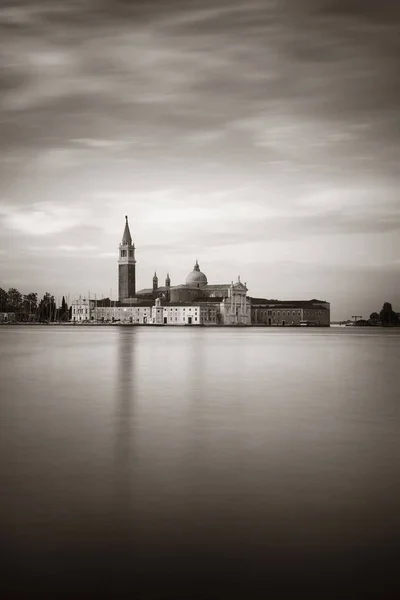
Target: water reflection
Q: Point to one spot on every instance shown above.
(147, 452)
(125, 391)
(123, 436)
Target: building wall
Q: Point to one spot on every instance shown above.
(210, 313)
(236, 309)
(184, 294)
(126, 280)
(274, 314)
(139, 315)
(82, 310)
(177, 315)
(317, 316)
(7, 317)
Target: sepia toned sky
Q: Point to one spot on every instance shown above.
(260, 137)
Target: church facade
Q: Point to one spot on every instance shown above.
(196, 301)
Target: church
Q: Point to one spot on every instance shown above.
(194, 302)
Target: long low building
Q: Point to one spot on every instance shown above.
(290, 313)
(234, 309)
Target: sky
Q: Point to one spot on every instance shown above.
(259, 137)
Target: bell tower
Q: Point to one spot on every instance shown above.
(155, 282)
(126, 266)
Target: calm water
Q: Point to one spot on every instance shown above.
(212, 461)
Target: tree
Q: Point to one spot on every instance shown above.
(47, 308)
(387, 315)
(3, 300)
(29, 303)
(374, 317)
(63, 311)
(14, 300)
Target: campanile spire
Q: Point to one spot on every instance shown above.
(126, 266)
(126, 238)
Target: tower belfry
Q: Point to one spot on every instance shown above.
(126, 266)
(155, 282)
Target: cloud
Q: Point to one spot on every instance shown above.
(77, 249)
(42, 218)
(244, 129)
(115, 145)
(98, 143)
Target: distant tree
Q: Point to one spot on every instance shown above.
(63, 311)
(29, 303)
(3, 300)
(70, 313)
(14, 300)
(47, 308)
(387, 315)
(374, 317)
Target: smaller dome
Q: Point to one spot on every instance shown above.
(196, 277)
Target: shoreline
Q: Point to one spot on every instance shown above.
(201, 325)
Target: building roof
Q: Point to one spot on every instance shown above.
(126, 238)
(217, 286)
(125, 305)
(198, 302)
(196, 277)
(184, 286)
(288, 303)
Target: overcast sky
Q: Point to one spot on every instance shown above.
(260, 137)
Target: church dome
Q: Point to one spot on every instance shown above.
(196, 277)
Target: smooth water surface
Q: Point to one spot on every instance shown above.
(223, 458)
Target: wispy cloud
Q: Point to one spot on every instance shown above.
(42, 218)
(77, 249)
(243, 129)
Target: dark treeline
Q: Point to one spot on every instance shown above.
(386, 316)
(27, 308)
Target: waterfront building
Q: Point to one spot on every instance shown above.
(82, 310)
(7, 317)
(194, 302)
(290, 312)
(221, 303)
(117, 313)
